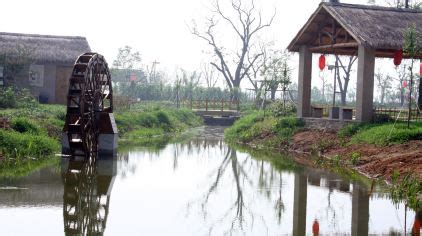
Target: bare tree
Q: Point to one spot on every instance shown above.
(246, 22)
(384, 85)
(344, 84)
(209, 75)
(255, 72)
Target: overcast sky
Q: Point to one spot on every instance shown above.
(158, 29)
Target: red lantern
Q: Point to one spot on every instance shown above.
(315, 227)
(398, 57)
(322, 62)
(420, 70)
(404, 84)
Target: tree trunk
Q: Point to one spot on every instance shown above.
(273, 91)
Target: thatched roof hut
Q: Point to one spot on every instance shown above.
(45, 48)
(380, 28)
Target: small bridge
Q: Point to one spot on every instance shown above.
(216, 112)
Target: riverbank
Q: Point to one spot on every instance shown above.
(153, 125)
(30, 136)
(388, 151)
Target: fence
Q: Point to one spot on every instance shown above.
(399, 113)
(219, 105)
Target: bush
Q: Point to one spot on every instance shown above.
(14, 144)
(7, 98)
(24, 125)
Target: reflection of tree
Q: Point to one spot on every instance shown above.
(279, 205)
(239, 214)
(86, 197)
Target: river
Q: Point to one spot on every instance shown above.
(200, 186)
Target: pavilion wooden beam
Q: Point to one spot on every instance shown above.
(334, 46)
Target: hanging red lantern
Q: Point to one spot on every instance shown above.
(398, 57)
(420, 70)
(322, 62)
(315, 227)
(404, 84)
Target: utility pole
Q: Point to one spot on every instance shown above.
(406, 4)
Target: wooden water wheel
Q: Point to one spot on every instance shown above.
(89, 96)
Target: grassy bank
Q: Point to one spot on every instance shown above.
(263, 131)
(381, 134)
(29, 137)
(152, 125)
(389, 151)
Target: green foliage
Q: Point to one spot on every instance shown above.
(7, 98)
(354, 158)
(239, 130)
(24, 145)
(266, 131)
(146, 122)
(16, 98)
(411, 39)
(350, 130)
(387, 134)
(337, 160)
(406, 189)
(278, 109)
(24, 125)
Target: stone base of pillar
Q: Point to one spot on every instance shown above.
(333, 112)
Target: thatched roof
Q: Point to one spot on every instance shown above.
(45, 48)
(380, 28)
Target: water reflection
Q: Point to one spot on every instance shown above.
(86, 197)
(314, 201)
(198, 187)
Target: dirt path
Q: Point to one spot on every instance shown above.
(374, 161)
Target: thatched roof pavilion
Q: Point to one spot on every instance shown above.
(348, 29)
(45, 48)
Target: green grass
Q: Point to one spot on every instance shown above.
(386, 134)
(26, 145)
(148, 125)
(268, 131)
(406, 189)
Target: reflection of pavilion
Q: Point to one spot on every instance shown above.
(86, 198)
(360, 200)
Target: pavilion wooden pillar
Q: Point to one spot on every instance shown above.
(365, 84)
(304, 86)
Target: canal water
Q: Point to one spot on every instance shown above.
(200, 186)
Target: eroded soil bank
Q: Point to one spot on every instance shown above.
(370, 160)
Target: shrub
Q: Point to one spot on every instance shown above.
(7, 98)
(24, 125)
(354, 158)
(25, 144)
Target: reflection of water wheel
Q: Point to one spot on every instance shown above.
(85, 205)
(90, 95)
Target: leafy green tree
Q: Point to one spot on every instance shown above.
(411, 49)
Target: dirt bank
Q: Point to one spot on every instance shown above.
(370, 160)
